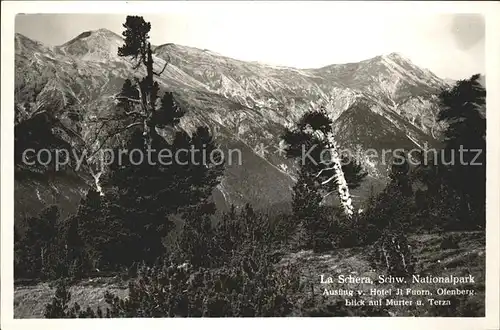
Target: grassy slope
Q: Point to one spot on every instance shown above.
(30, 301)
(469, 258)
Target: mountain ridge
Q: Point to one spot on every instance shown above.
(241, 102)
(115, 35)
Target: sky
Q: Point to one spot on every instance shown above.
(450, 45)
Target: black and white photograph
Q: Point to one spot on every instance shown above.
(248, 163)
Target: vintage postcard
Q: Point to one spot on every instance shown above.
(265, 160)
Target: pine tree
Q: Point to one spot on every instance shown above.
(169, 112)
(144, 193)
(127, 96)
(390, 215)
(393, 207)
(197, 239)
(228, 235)
(461, 109)
(21, 268)
(73, 247)
(313, 143)
(104, 235)
(145, 113)
(399, 175)
(40, 247)
(306, 205)
(137, 106)
(455, 188)
(321, 174)
(58, 308)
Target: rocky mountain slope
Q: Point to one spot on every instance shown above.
(380, 103)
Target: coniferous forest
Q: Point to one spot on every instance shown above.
(152, 240)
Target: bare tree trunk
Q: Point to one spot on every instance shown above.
(342, 187)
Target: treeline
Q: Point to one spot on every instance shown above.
(227, 265)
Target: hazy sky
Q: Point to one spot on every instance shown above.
(451, 45)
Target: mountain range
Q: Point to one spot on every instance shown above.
(385, 102)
